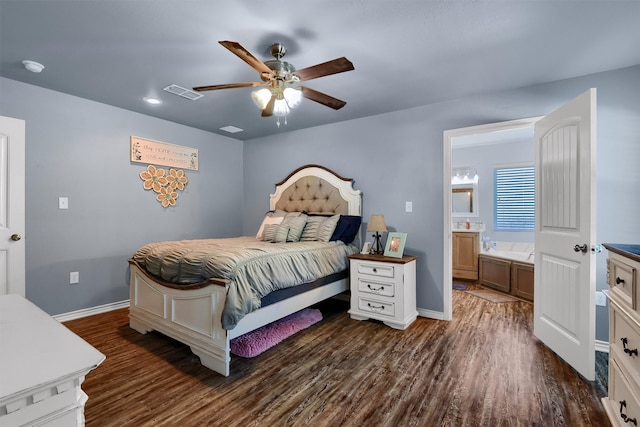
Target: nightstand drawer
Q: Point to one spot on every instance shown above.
(380, 270)
(378, 288)
(378, 307)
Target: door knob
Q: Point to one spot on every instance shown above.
(16, 237)
(581, 248)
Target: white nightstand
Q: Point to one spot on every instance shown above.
(383, 288)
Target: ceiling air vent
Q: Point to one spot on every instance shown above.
(185, 93)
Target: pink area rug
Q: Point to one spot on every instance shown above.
(255, 342)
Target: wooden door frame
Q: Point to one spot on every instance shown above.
(448, 137)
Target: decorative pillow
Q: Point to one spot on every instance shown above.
(281, 233)
(347, 228)
(296, 226)
(310, 231)
(270, 218)
(269, 233)
(327, 227)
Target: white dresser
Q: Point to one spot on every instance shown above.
(383, 288)
(623, 403)
(42, 365)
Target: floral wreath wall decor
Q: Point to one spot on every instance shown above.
(166, 186)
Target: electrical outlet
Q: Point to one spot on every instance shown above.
(74, 277)
(601, 300)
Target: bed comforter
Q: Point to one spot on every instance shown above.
(253, 267)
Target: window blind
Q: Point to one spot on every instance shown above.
(514, 198)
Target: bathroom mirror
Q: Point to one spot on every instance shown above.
(464, 200)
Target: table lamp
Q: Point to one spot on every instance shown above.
(376, 223)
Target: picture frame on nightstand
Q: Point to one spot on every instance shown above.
(366, 248)
(395, 244)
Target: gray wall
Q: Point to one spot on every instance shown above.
(397, 157)
(80, 149)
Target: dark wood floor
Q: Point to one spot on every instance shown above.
(484, 368)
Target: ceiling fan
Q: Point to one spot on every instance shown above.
(278, 77)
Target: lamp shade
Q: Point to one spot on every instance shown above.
(376, 223)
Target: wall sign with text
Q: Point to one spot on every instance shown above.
(163, 154)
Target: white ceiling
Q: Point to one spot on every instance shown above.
(406, 53)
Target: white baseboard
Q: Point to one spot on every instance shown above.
(64, 317)
(431, 314)
(602, 346)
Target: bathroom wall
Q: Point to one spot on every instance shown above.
(484, 158)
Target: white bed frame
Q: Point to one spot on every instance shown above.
(193, 316)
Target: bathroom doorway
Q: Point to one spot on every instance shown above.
(517, 131)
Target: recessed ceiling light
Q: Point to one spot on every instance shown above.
(231, 129)
(152, 101)
(33, 66)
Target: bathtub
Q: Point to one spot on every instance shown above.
(508, 267)
(512, 251)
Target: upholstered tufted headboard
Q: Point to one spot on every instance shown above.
(316, 189)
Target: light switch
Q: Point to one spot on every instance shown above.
(63, 203)
(408, 207)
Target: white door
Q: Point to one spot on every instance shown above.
(564, 278)
(12, 202)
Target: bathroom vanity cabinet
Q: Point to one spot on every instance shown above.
(465, 247)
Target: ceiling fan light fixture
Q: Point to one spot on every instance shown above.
(261, 97)
(280, 108)
(285, 101)
(293, 96)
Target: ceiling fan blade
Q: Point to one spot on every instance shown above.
(322, 98)
(325, 69)
(228, 86)
(268, 110)
(242, 53)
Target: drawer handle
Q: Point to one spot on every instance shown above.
(619, 280)
(375, 307)
(375, 270)
(626, 418)
(633, 352)
(380, 289)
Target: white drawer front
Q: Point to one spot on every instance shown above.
(378, 307)
(380, 270)
(625, 341)
(378, 288)
(624, 402)
(622, 281)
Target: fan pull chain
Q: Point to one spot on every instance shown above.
(278, 121)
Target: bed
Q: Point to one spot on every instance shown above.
(192, 313)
